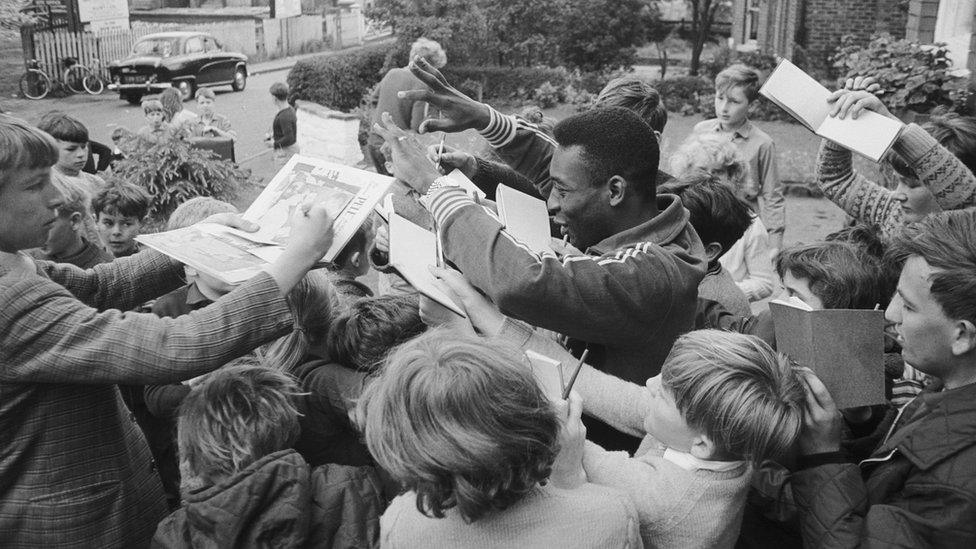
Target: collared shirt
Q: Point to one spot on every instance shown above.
(689, 462)
(763, 188)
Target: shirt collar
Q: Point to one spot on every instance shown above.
(670, 222)
(689, 462)
(194, 297)
(744, 131)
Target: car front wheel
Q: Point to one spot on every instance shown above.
(186, 89)
(240, 80)
(132, 97)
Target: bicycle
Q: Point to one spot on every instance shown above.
(35, 84)
(93, 82)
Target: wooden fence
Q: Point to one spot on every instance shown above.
(50, 48)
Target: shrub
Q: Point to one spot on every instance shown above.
(548, 96)
(338, 81)
(174, 172)
(683, 92)
(725, 56)
(912, 77)
(505, 83)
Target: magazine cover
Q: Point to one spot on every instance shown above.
(234, 256)
(350, 191)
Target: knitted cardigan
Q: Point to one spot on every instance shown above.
(950, 181)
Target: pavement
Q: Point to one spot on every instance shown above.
(250, 112)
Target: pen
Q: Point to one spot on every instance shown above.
(572, 380)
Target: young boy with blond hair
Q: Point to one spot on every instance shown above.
(76, 471)
(235, 433)
(736, 88)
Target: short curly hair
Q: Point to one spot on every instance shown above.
(430, 50)
(841, 274)
(710, 153)
(361, 336)
(236, 417)
(461, 422)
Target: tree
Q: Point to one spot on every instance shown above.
(11, 18)
(602, 34)
(703, 14)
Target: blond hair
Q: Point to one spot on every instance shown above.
(461, 422)
(739, 76)
(313, 303)
(238, 415)
(24, 147)
(710, 153)
(738, 391)
(196, 210)
(429, 50)
(74, 198)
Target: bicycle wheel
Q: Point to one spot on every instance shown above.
(74, 78)
(93, 84)
(34, 84)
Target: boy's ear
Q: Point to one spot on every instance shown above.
(713, 250)
(77, 221)
(618, 188)
(703, 447)
(965, 338)
(356, 259)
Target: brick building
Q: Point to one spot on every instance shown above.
(810, 30)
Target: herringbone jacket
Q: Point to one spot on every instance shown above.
(74, 469)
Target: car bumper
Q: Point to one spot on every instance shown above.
(154, 86)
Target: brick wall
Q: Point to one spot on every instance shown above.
(824, 22)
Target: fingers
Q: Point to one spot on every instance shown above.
(234, 221)
(416, 95)
(575, 411)
(437, 125)
(429, 69)
(817, 392)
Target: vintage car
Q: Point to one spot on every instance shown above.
(182, 60)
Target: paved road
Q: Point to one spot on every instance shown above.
(249, 111)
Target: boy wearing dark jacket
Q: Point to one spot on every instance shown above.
(918, 487)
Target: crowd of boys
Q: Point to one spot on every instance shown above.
(145, 403)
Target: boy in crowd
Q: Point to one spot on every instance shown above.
(736, 88)
(66, 242)
(722, 403)
(720, 218)
(357, 344)
(157, 130)
(917, 489)
(352, 263)
(209, 123)
(120, 210)
(76, 471)
(284, 132)
(235, 433)
(832, 275)
(72, 139)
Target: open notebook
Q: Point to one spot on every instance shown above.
(844, 347)
(413, 250)
(796, 92)
(525, 217)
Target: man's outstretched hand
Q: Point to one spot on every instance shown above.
(458, 111)
(410, 162)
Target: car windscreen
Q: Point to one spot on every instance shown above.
(158, 47)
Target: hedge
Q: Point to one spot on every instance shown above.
(338, 81)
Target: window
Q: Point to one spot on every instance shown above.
(209, 45)
(752, 21)
(194, 45)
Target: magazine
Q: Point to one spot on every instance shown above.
(233, 256)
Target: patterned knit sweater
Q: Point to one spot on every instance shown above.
(950, 181)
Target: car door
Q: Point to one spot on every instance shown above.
(197, 59)
(219, 64)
